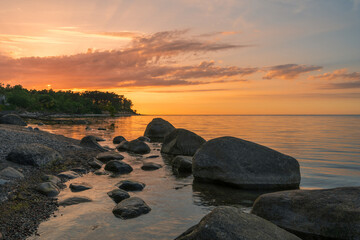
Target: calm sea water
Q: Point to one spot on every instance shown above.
(327, 148)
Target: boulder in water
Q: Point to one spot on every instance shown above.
(108, 156)
(123, 146)
(118, 139)
(90, 142)
(79, 187)
(118, 195)
(118, 167)
(182, 142)
(157, 129)
(137, 146)
(150, 166)
(131, 208)
(129, 185)
(182, 164)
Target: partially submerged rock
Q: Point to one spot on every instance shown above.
(182, 142)
(48, 188)
(68, 175)
(74, 200)
(11, 173)
(245, 164)
(118, 139)
(118, 195)
(118, 167)
(79, 187)
(144, 139)
(33, 154)
(137, 146)
(182, 164)
(12, 119)
(314, 214)
(123, 146)
(150, 166)
(108, 156)
(96, 164)
(129, 185)
(157, 129)
(131, 208)
(90, 142)
(230, 223)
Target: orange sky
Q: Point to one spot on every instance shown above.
(268, 57)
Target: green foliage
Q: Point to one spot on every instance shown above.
(19, 98)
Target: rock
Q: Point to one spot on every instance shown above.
(245, 165)
(68, 175)
(11, 173)
(36, 129)
(118, 195)
(108, 156)
(1, 236)
(88, 128)
(131, 208)
(118, 167)
(230, 223)
(157, 129)
(182, 142)
(118, 139)
(314, 214)
(153, 156)
(102, 129)
(144, 139)
(79, 170)
(182, 164)
(33, 154)
(123, 146)
(3, 181)
(150, 166)
(96, 164)
(100, 172)
(40, 124)
(30, 128)
(78, 187)
(137, 146)
(74, 200)
(12, 119)
(90, 142)
(51, 178)
(48, 188)
(99, 139)
(129, 185)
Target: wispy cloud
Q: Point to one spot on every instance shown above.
(289, 71)
(352, 79)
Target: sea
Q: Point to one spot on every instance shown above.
(326, 146)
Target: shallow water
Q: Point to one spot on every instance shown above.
(327, 147)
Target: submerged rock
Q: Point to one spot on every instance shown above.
(118, 167)
(314, 214)
(129, 185)
(245, 164)
(79, 187)
(150, 166)
(12, 119)
(131, 208)
(90, 142)
(108, 156)
(137, 146)
(182, 164)
(157, 129)
(118, 195)
(230, 223)
(118, 139)
(11, 173)
(68, 175)
(48, 188)
(182, 142)
(33, 154)
(74, 200)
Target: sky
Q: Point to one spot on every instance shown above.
(190, 56)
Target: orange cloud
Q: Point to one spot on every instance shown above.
(289, 71)
(340, 74)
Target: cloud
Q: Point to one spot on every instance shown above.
(339, 75)
(289, 71)
(138, 65)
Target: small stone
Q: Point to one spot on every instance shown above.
(182, 164)
(79, 187)
(102, 129)
(96, 164)
(144, 139)
(108, 156)
(74, 200)
(68, 175)
(118, 139)
(129, 185)
(139, 147)
(131, 208)
(11, 173)
(51, 178)
(79, 170)
(118, 167)
(153, 156)
(118, 195)
(48, 188)
(150, 166)
(123, 146)
(100, 172)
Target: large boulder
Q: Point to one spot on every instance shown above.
(137, 146)
(182, 164)
(314, 214)
(33, 154)
(245, 165)
(157, 129)
(118, 167)
(118, 139)
(90, 142)
(131, 208)
(230, 223)
(12, 119)
(182, 142)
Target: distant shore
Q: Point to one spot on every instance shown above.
(42, 115)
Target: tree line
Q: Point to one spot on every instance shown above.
(19, 98)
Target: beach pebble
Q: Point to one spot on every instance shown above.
(74, 200)
(78, 187)
(118, 195)
(129, 185)
(118, 167)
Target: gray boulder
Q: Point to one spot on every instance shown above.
(131, 208)
(118, 167)
(157, 129)
(12, 119)
(79, 187)
(90, 142)
(68, 175)
(118, 139)
(182, 142)
(123, 146)
(48, 188)
(96, 164)
(314, 214)
(74, 200)
(11, 173)
(33, 154)
(139, 147)
(182, 164)
(129, 185)
(245, 165)
(230, 223)
(118, 195)
(150, 166)
(108, 156)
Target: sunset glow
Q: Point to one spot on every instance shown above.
(190, 57)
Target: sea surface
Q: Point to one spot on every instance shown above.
(327, 148)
